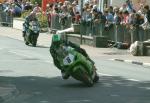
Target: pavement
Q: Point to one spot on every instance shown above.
(45, 40)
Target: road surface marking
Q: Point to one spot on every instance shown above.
(112, 75)
(20, 54)
(134, 80)
(49, 62)
(105, 74)
(128, 61)
(146, 64)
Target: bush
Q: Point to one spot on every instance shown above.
(25, 13)
(38, 1)
(43, 20)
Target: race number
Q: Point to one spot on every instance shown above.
(68, 59)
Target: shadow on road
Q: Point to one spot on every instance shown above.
(38, 46)
(41, 46)
(55, 90)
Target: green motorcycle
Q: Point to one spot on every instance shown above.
(72, 63)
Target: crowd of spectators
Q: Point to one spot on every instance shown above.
(17, 7)
(93, 20)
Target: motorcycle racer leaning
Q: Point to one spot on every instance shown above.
(57, 41)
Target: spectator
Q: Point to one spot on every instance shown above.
(86, 20)
(95, 22)
(37, 8)
(49, 11)
(147, 12)
(117, 18)
(110, 9)
(17, 11)
(109, 16)
(129, 6)
(125, 17)
(123, 8)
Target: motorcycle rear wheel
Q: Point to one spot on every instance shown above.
(84, 75)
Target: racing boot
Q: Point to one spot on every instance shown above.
(96, 77)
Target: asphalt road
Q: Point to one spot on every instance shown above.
(31, 71)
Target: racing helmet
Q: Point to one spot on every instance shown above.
(56, 38)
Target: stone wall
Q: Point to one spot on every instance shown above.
(95, 41)
(76, 38)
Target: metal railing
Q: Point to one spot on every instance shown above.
(6, 19)
(117, 33)
(114, 32)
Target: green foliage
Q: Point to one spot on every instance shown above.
(25, 13)
(38, 1)
(43, 20)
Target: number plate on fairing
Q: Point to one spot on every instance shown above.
(68, 59)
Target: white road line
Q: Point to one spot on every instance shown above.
(112, 75)
(49, 62)
(20, 54)
(111, 59)
(1, 48)
(134, 80)
(128, 61)
(146, 64)
(104, 74)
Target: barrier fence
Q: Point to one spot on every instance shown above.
(114, 32)
(6, 19)
(117, 33)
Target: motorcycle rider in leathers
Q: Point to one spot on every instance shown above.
(56, 44)
(28, 19)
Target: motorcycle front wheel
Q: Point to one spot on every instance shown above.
(25, 41)
(34, 40)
